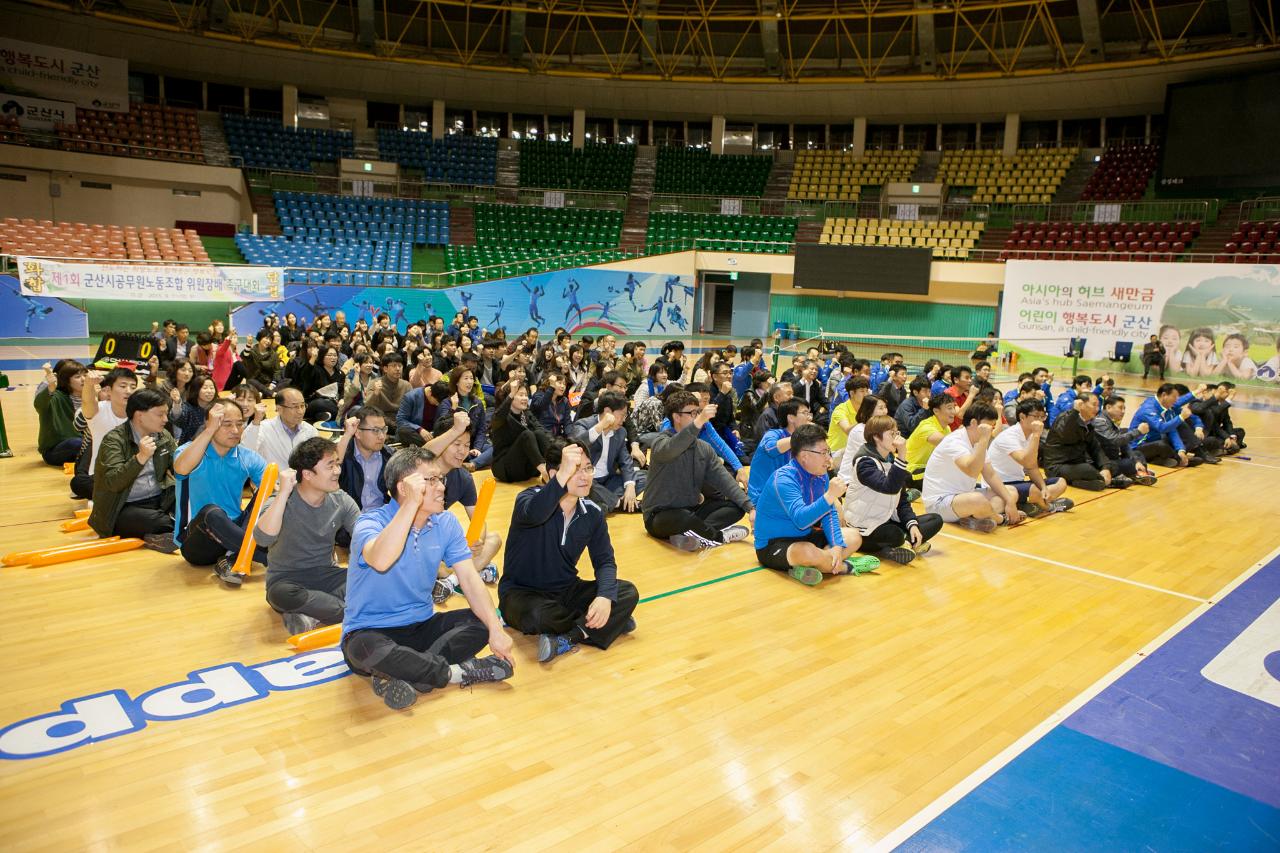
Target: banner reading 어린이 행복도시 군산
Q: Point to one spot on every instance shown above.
(1214, 320)
(87, 80)
(207, 283)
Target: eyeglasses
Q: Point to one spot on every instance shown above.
(433, 480)
(292, 406)
(375, 430)
(826, 453)
(692, 414)
(233, 425)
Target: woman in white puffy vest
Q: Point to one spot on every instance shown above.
(876, 503)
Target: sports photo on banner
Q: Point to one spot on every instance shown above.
(1213, 321)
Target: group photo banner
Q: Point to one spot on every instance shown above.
(72, 280)
(85, 79)
(1216, 321)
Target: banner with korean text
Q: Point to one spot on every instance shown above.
(71, 280)
(1211, 320)
(86, 79)
(37, 113)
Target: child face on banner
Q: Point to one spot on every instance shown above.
(1171, 338)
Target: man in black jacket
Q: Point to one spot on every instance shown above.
(540, 591)
(894, 391)
(1117, 442)
(1073, 452)
(363, 454)
(1212, 407)
(808, 388)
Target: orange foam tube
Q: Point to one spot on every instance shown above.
(18, 558)
(83, 513)
(318, 638)
(244, 559)
(75, 524)
(89, 549)
(482, 509)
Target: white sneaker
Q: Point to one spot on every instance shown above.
(735, 533)
(690, 541)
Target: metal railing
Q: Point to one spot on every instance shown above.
(1254, 209)
(1173, 210)
(275, 179)
(818, 210)
(573, 198)
(45, 139)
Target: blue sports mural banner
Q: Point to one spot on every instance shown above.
(587, 301)
(23, 316)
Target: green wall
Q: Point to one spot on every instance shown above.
(121, 315)
(851, 316)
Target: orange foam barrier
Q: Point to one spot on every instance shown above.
(75, 524)
(83, 513)
(19, 558)
(244, 559)
(482, 509)
(318, 638)
(69, 468)
(83, 552)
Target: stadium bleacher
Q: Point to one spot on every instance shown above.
(691, 171)
(99, 242)
(599, 167)
(146, 130)
(840, 176)
(1252, 243)
(1122, 174)
(455, 159)
(1028, 177)
(720, 232)
(264, 143)
(1138, 241)
(316, 215)
(947, 238)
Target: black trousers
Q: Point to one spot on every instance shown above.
(1195, 444)
(420, 654)
(320, 594)
(891, 534)
(521, 460)
(409, 437)
(212, 535)
(63, 452)
(240, 376)
(534, 611)
(1160, 453)
(1147, 365)
(143, 517)
(82, 486)
(321, 409)
(707, 519)
(1079, 472)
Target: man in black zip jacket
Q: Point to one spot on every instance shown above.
(540, 591)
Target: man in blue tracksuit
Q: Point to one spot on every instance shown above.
(1162, 445)
(1067, 399)
(752, 360)
(797, 528)
(774, 449)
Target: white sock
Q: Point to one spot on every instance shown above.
(455, 674)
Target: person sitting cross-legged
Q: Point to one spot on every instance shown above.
(797, 527)
(133, 475)
(953, 470)
(690, 499)
(1073, 452)
(1014, 455)
(1117, 442)
(617, 483)
(299, 528)
(877, 504)
(212, 470)
(774, 449)
(1162, 443)
(540, 591)
(928, 434)
(390, 631)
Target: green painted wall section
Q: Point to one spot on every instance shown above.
(119, 315)
(853, 316)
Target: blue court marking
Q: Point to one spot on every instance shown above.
(1182, 752)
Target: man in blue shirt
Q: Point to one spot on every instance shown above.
(390, 631)
(797, 527)
(211, 472)
(774, 449)
(1162, 444)
(752, 361)
(541, 592)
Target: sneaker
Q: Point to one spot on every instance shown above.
(1120, 481)
(226, 574)
(480, 670)
(913, 495)
(489, 574)
(1031, 510)
(630, 627)
(735, 533)
(897, 555)
(299, 623)
(982, 525)
(690, 541)
(162, 542)
(1090, 485)
(443, 588)
(1209, 458)
(807, 575)
(1194, 461)
(923, 548)
(397, 694)
(553, 646)
(861, 565)
(1061, 505)
(1145, 479)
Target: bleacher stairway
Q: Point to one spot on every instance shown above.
(1072, 186)
(1213, 238)
(780, 176)
(264, 206)
(635, 222)
(462, 225)
(213, 142)
(508, 178)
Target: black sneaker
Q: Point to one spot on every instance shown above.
(1090, 485)
(226, 574)
(1209, 458)
(480, 670)
(162, 542)
(1194, 461)
(1145, 479)
(1120, 481)
(1061, 505)
(397, 694)
(630, 627)
(1031, 510)
(551, 646)
(897, 555)
(299, 623)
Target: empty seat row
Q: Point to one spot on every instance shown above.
(689, 171)
(455, 159)
(599, 167)
(99, 242)
(359, 218)
(265, 143)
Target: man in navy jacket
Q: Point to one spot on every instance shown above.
(616, 479)
(540, 591)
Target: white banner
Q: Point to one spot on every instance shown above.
(1212, 319)
(37, 113)
(71, 280)
(86, 79)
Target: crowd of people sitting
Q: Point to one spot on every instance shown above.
(376, 432)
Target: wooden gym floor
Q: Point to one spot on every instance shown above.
(746, 712)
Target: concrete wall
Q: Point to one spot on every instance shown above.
(142, 191)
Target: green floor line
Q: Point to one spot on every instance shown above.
(697, 585)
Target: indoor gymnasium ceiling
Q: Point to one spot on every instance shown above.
(734, 40)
